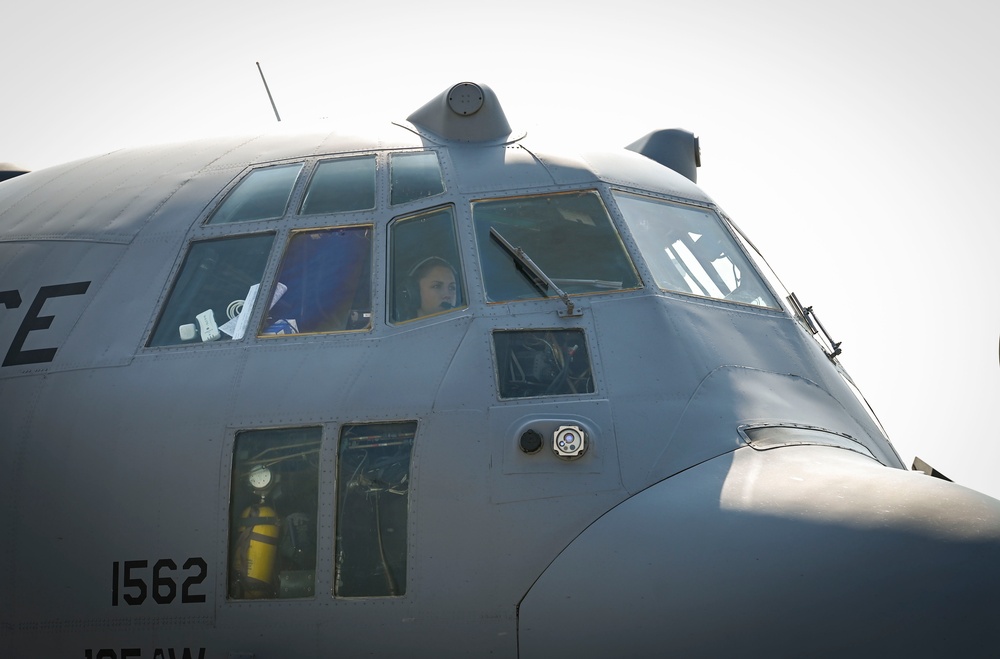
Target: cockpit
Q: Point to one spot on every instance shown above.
(323, 213)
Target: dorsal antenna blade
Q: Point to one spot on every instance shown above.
(268, 90)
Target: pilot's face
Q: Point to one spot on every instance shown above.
(438, 291)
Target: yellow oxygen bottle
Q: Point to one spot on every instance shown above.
(258, 550)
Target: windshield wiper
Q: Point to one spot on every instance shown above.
(534, 274)
(592, 283)
(808, 316)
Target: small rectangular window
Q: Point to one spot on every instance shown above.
(262, 195)
(323, 284)
(214, 292)
(340, 186)
(373, 486)
(542, 363)
(414, 176)
(272, 516)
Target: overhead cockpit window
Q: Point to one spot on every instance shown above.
(414, 176)
(373, 491)
(341, 186)
(426, 273)
(213, 296)
(274, 497)
(689, 251)
(542, 363)
(262, 195)
(323, 284)
(569, 236)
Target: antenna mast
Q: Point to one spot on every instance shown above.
(268, 90)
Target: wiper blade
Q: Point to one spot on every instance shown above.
(591, 283)
(534, 274)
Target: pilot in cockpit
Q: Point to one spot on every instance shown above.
(432, 287)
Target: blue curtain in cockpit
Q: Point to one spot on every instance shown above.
(327, 275)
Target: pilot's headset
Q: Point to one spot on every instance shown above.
(411, 285)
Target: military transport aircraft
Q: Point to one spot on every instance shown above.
(439, 393)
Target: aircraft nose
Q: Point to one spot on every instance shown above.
(798, 551)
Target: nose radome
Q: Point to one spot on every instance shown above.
(797, 551)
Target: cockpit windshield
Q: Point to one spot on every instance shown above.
(568, 235)
(689, 251)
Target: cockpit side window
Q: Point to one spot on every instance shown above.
(414, 176)
(689, 251)
(425, 270)
(570, 236)
(274, 498)
(213, 295)
(263, 194)
(340, 186)
(323, 284)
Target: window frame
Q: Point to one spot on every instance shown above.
(613, 223)
(274, 276)
(395, 281)
(314, 168)
(727, 230)
(164, 302)
(236, 499)
(234, 186)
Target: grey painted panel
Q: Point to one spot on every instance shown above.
(799, 551)
(500, 169)
(139, 457)
(107, 198)
(517, 476)
(110, 197)
(680, 392)
(56, 284)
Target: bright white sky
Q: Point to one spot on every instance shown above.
(855, 142)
